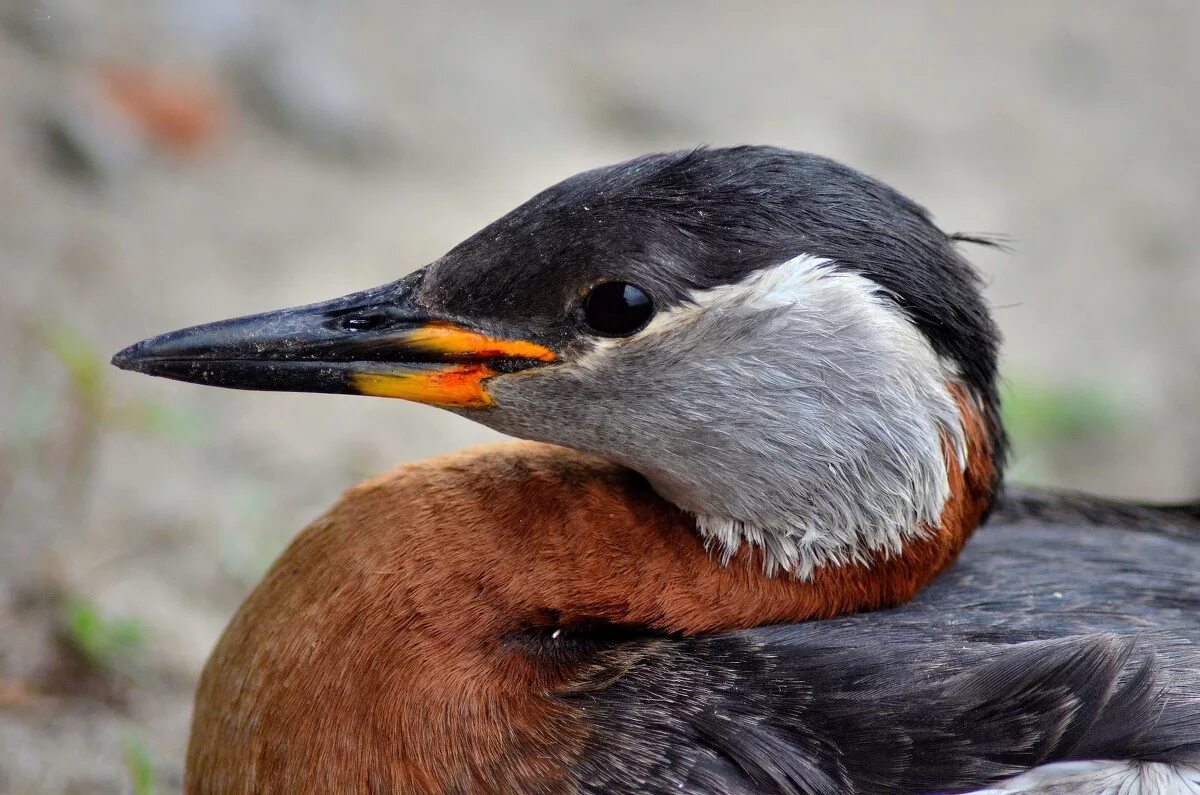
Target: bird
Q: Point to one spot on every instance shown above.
(752, 387)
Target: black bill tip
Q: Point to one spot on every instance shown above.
(225, 339)
(130, 358)
(200, 355)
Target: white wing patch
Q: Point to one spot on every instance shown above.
(1101, 778)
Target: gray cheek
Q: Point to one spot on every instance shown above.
(566, 406)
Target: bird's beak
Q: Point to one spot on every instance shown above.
(371, 343)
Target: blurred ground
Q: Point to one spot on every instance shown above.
(167, 164)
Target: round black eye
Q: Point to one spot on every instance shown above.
(617, 309)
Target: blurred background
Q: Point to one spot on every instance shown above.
(168, 163)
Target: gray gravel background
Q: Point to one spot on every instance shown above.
(1071, 127)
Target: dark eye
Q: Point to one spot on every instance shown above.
(617, 309)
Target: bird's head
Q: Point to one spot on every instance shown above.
(784, 347)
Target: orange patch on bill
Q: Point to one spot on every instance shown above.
(459, 385)
(451, 340)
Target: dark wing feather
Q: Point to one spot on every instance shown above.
(1049, 642)
(1024, 503)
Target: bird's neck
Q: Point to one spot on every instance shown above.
(846, 517)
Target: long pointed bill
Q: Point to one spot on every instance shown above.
(368, 343)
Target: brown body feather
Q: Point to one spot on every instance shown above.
(377, 655)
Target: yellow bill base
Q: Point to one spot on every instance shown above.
(451, 340)
(459, 385)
